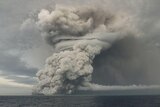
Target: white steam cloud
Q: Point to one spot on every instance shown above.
(96, 87)
(78, 35)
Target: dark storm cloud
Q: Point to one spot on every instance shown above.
(129, 61)
(135, 62)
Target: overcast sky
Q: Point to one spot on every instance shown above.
(23, 52)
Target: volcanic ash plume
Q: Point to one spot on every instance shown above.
(77, 35)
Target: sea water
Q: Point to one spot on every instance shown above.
(80, 101)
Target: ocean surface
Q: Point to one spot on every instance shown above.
(80, 101)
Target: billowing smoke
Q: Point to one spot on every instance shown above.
(77, 35)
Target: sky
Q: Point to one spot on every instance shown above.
(23, 52)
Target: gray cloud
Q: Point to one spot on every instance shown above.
(19, 49)
(22, 79)
(12, 90)
(13, 65)
(13, 42)
(129, 61)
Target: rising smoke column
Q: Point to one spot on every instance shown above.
(77, 35)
